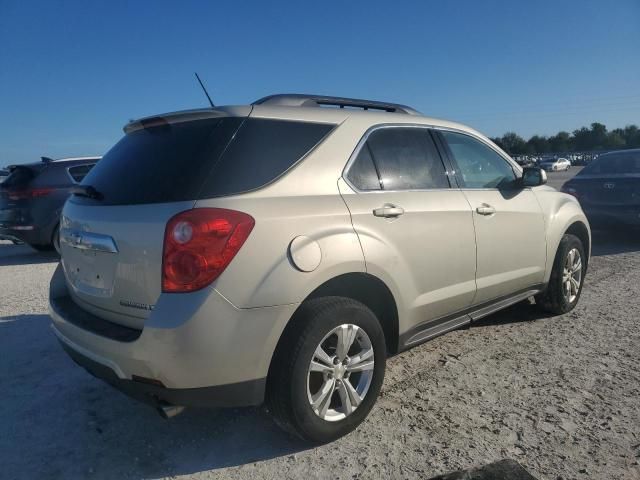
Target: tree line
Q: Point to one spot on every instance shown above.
(582, 140)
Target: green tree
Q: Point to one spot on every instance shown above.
(615, 139)
(598, 135)
(514, 144)
(560, 142)
(498, 141)
(582, 139)
(632, 136)
(538, 144)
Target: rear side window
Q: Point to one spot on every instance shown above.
(407, 159)
(261, 151)
(200, 159)
(478, 166)
(362, 173)
(79, 172)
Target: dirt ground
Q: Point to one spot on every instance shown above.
(559, 395)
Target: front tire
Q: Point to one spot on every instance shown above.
(567, 277)
(328, 369)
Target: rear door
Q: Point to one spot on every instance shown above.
(509, 223)
(415, 230)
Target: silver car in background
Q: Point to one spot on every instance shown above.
(278, 252)
(556, 165)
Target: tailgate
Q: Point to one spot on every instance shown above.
(112, 257)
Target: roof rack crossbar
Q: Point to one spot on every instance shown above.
(304, 100)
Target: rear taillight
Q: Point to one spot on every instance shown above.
(28, 193)
(198, 246)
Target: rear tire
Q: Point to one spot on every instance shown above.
(567, 277)
(317, 389)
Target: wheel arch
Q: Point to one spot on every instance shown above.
(366, 289)
(580, 230)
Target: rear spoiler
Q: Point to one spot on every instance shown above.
(186, 116)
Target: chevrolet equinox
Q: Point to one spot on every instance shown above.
(278, 252)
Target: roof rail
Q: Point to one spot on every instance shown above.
(303, 100)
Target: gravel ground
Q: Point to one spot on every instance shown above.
(560, 395)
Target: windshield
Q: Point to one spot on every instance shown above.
(623, 163)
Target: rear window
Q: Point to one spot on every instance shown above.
(18, 178)
(200, 159)
(614, 164)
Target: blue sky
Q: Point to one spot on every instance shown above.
(73, 73)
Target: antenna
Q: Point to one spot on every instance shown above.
(204, 89)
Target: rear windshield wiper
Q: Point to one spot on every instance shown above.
(86, 191)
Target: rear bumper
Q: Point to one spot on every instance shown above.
(230, 395)
(195, 349)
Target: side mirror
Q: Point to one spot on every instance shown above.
(533, 177)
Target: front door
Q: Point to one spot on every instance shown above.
(509, 223)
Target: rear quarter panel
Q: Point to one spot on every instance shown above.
(305, 201)
(263, 273)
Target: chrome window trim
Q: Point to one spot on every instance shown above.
(360, 145)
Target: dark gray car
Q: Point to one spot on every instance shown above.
(32, 196)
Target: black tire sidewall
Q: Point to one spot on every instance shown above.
(567, 243)
(308, 423)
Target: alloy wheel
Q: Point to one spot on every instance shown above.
(340, 372)
(572, 275)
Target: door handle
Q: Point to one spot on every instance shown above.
(388, 211)
(485, 209)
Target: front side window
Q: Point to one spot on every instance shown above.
(404, 159)
(478, 166)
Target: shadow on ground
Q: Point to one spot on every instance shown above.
(525, 311)
(11, 254)
(74, 426)
(614, 241)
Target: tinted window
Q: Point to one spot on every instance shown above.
(407, 159)
(79, 172)
(18, 178)
(478, 166)
(261, 151)
(362, 173)
(614, 164)
(199, 159)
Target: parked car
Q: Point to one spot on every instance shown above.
(609, 189)
(32, 196)
(557, 165)
(280, 251)
(3, 174)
